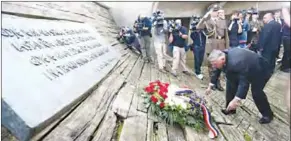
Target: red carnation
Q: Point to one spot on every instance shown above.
(164, 96)
(167, 85)
(154, 99)
(149, 89)
(158, 82)
(162, 105)
(161, 92)
(164, 89)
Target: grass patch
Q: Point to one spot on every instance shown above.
(119, 129)
(247, 137)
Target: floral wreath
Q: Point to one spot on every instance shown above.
(172, 104)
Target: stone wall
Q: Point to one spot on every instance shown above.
(92, 13)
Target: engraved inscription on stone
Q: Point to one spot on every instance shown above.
(49, 64)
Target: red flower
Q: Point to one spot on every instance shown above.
(164, 96)
(149, 89)
(161, 92)
(164, 89)
(166, 85)
(154, 99)
(162, 105)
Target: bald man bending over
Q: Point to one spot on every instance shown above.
(270, 40)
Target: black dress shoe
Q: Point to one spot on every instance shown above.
(228, 112)
(265, 120)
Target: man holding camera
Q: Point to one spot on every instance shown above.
(217, 39)
(234, 30)
(198, 47)
(160, 33)
(255, 28)
(177, 38)
(143, 27)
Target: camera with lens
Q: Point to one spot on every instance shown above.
(158, 18)
(138, 25)
(172, 27)
(252, 11)
(195, 21)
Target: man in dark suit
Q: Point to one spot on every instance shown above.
(243, 68)
(270, 39)
(277, 18)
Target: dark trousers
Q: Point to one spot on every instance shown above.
(215, 76)
(270, 56)
(198, 52)
(279, 47)
(258, 94)
(286, 55)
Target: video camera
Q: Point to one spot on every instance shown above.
(252, 11)
(172, 27)
(158, 18)
(195, 21)
(138, 25)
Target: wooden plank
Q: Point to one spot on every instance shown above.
(175, 133)
(150, 131)
(133, 107)
(155, 74)
(162, 132)
(192, 135)
(134, 128)
(231, 133)
(134, 76)
(81, 123)
(144, 80)
(105, 132)
(123, 100)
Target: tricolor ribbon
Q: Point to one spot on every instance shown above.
(183, 91)
(213, 132)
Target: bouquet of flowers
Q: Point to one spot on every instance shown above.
(178, 105)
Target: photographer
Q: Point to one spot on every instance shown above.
(131, 40)
(143, 28)
(160, 33)
(198, 47)
(127, 36)
(245, 28)
(178, 37)
(234, 30)
(255, 28)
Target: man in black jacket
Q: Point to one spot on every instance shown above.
(270, 39)
(243, 68)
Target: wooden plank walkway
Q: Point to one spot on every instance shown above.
(115, 111)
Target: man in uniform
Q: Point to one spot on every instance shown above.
(217, 37)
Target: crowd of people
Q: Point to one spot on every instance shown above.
(244, 47)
